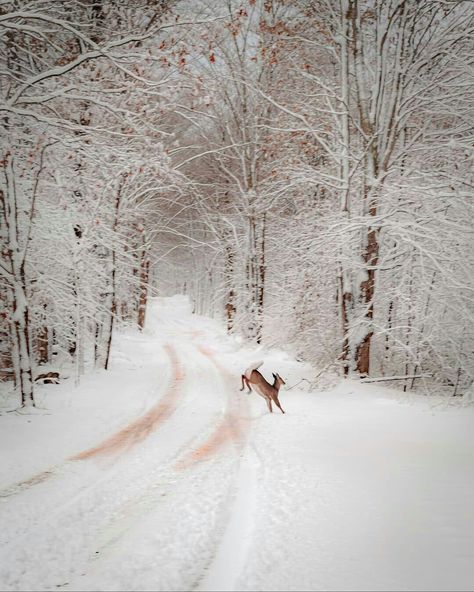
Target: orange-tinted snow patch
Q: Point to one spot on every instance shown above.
(231, 428)
(138, 430)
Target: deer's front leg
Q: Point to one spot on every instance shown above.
(277, 402)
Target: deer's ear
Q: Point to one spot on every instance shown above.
(274, 375)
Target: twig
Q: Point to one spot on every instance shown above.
(312, 383)
(288, 388)
(387, 378)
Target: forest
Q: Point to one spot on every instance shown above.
(301, 169)
(236, 295)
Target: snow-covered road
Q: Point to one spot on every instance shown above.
(189, 484)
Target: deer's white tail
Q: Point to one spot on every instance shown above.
(251, 368)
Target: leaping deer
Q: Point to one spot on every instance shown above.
(266, 390)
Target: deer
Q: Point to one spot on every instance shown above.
(266, 390)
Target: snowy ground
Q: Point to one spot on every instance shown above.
(161, 475)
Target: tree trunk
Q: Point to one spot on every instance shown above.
(229, 271)
(261, 282)
(15, 356)
(113, 287)
(367, 292)
(42, 345)
(386, 352)
(112, 311)
(251, 281)
(22, 336)
(344, 284)
(77, 346)
(23, 364)
(144, 277)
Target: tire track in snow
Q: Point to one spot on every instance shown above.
(232, 427)
(228, 562)
(93, 503)
(184, 457)
(57, 549)
(175, 479)
(135, 432)
(234, 536)
(141, 428)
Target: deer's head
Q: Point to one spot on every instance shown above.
(278, 380)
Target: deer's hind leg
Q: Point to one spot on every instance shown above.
(245, 381)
